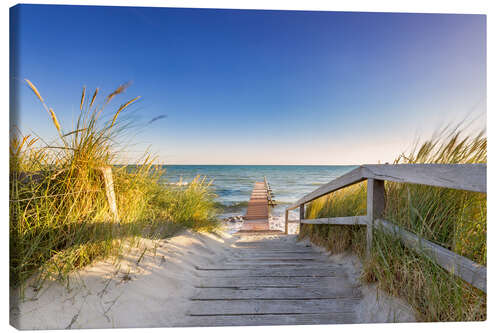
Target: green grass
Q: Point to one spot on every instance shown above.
(59, 214)
(451, 218)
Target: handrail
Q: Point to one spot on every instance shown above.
(466, 269)
(469, 177)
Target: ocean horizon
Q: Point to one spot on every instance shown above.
(233, 184)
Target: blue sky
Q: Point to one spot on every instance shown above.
(256, 87)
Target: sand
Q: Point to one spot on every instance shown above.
(151, 293)
(151, 285)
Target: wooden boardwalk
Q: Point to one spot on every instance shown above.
(269, 279)
(257, 215)
(273, 281)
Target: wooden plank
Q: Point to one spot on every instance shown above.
(270, 247)
(466, 269)
(279, 281)
(219, 294)
(201, 308)
(274, 319)
(276, 245)
(276, 254)
(263, 251)
(309, 257)
(375, 204)
(347, 220)
(269, 272)
(260, 265)
(271, 255)
(273, 244)
(469, 177)
(277, 261)
(270, 242)
(237, 250)
(243, 247)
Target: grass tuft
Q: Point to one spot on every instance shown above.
(451, 218)
(59, 215)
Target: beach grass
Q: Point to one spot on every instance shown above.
(60, 219)
(451, 218)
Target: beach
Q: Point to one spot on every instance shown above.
(208, 166)
(152, 284)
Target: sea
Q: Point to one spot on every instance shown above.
(233, 184)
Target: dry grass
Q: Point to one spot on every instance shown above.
(59, 214)
(451, 218)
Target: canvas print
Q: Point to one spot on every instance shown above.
(216, 167)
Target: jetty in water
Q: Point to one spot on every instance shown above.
(257, 215)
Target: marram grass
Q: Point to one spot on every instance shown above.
(451, 218)
(59, 214)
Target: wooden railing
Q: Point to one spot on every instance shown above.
(469, 177)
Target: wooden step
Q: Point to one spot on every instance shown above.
(269, 272)
(279, 281)
(308, 293)
(273, 319)
(252, 307)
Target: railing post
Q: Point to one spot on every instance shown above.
(286, 221)
(302, 213)
(375, 204)
(107, 175)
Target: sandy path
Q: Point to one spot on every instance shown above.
(155, 291)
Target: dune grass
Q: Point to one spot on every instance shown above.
(59, 214)
(451, 218)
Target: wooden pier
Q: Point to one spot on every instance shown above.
(257, 215)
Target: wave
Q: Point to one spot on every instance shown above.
(227, 191)
(233, 206)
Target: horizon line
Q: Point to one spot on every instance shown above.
(204, 164)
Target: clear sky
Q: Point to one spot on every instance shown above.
(256, 87)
